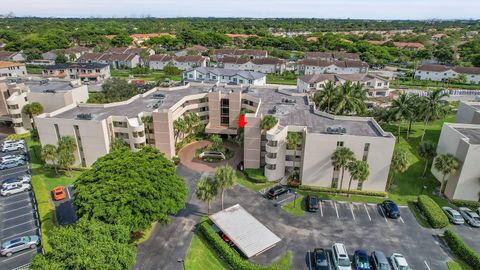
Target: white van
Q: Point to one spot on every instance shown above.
(340, 257)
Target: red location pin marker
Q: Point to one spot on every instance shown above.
(241, 123)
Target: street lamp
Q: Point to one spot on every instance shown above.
(182, 261)
(295, 199)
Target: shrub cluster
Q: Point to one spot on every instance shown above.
(354, 192)
(255, 175)
(469, 204)
(226, 252)
(461, 249)
(435, 216)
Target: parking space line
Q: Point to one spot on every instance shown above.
(401, 219)
(383, 214)
(321, 210)
(351, 210)
(68, 193)
(20, 254)
(336, 210)
(29, 213)
(26, 206)
(428, 267)
(368, 214)
(18, 234)
(28, 199)
(16, 195)
(22, 266)
(17, 225)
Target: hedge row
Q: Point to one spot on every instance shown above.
(435, 215)
(255, 175)
(469, 204)
(461, 249)
(353, 192)
(226, 252)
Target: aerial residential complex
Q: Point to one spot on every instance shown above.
(444, 73)
(95, 126)
(228, 76)
(90, 72)
(264, 65)
(51, 94)
(12, 69)
(159, 61)
(318, 66)
(462, 139)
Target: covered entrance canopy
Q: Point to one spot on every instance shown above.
(244, 230)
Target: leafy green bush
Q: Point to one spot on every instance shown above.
(227, 252)
(354, 192)
(255, 175)
(461, 249)
(432, 211)
(469, 204)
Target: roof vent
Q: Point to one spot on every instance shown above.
(336, 130)
(158, 96)
(84, 116)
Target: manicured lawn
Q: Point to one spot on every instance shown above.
(150, 76)
(290, 79)
(200, 256)
(242, 180)
(335, 197)
(425, 85)
(296, 207)
(457, 265)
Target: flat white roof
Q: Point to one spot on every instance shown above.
(245, 231)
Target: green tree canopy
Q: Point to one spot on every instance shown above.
(89, 244)
(268, 122)
(427, 150)
(130, 188)
(121, 40)
(446, 164)
(115, 89)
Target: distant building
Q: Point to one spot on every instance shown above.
(442, 73)
(317, 66)
(374, 85)
(72, 54)
(159, 61)
(12, 69)
(332, 56)
(225, 76)
(249, 53)
(412, 46)
(87, 72)
(197, 49)
(115, 60)
(126, 50)
(263, 65)
(12, 56)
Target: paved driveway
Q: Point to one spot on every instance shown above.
(470, 235)
(187, 157)
(355, 225)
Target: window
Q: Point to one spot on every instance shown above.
(18, 124)
(334, 182)
(121, 135)
(120, 124)
(17, 115)
(339, 144)
(312, 85)
(13, 107)
(271, 166)
(366, 148)
(379, 84)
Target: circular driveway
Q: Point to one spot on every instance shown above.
(187, 157)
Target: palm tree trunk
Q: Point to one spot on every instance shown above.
(390, 182)
(341, 180)
(349, 186)
(55, 167)
(399, 125)
(425, 122)
(442, 185)
(223, 192)
(410, 122)
(425, 169)
(208, 210)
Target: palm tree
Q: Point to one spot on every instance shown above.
(427, 150)
(400, 163)
(216, 141)
(433, 107)
(294, 139)
(325, 98)
(401, 110)
(33, 109)
(206, 190)
(148, 125)
(358, 171)
(225, 178)
(361, 94)
(179, 127)
(66, 148)
(340, 158)
(415, 102)
(349, 100)
(268, 122)
(50, 153)
(447, 164)
(192, 120)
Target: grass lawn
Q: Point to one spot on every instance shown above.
(291, 79)
(427, 85)
(458, 265)
(242, 180)
(200, 256)
(152, 75)
(296, 207)
(145, 234)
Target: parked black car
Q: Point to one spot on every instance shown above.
(321, 259)
(276, 191)
(391, 209)
(311, 202)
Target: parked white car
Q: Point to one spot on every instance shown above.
(11, 164)
(16, 146)
(340, 257)
(12, 157)
(399, 262)
(25, 179)
(15, 189)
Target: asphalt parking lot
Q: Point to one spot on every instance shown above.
(64, 209)
(470, 235)
(18, 217)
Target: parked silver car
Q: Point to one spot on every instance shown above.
(25, 179)
(11, 164)
(19, 244)
(472, 218)
(453, 215)
(14, 189)
(9, 147)
(12, 157)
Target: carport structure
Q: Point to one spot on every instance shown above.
(244, 230)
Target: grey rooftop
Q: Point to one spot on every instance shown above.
(473, 134)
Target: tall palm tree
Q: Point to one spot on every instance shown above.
(179, 127)
(324, 99)
(401, 110)
(361, 94)
(225, 178)
(427, 150)
(206, 190)
(358, 171)
(340, 158)
(400, 163)
(415, 102)
(192, 120)
(33, 109)
(294, 139)
(268, 122)
(148, 125)
(349, 101)
(50, 153)
(447, 164)
(433, 107)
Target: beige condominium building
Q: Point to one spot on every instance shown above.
(95, 126)
(51, 94)
(462, 139)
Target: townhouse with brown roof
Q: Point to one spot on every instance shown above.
(317, 66)
(332, 56)
(195, 49)
(12, 56)
(159, 61)
(375, 86)
(72, 53)
(87, 72)
(442, 73)
(12, 69)
(249, 53)
(115, 60)
(263, 65)
(127, 50)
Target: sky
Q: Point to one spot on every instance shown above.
(354, 9)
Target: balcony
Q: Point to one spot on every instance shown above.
(271, 158)
(272, 147)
